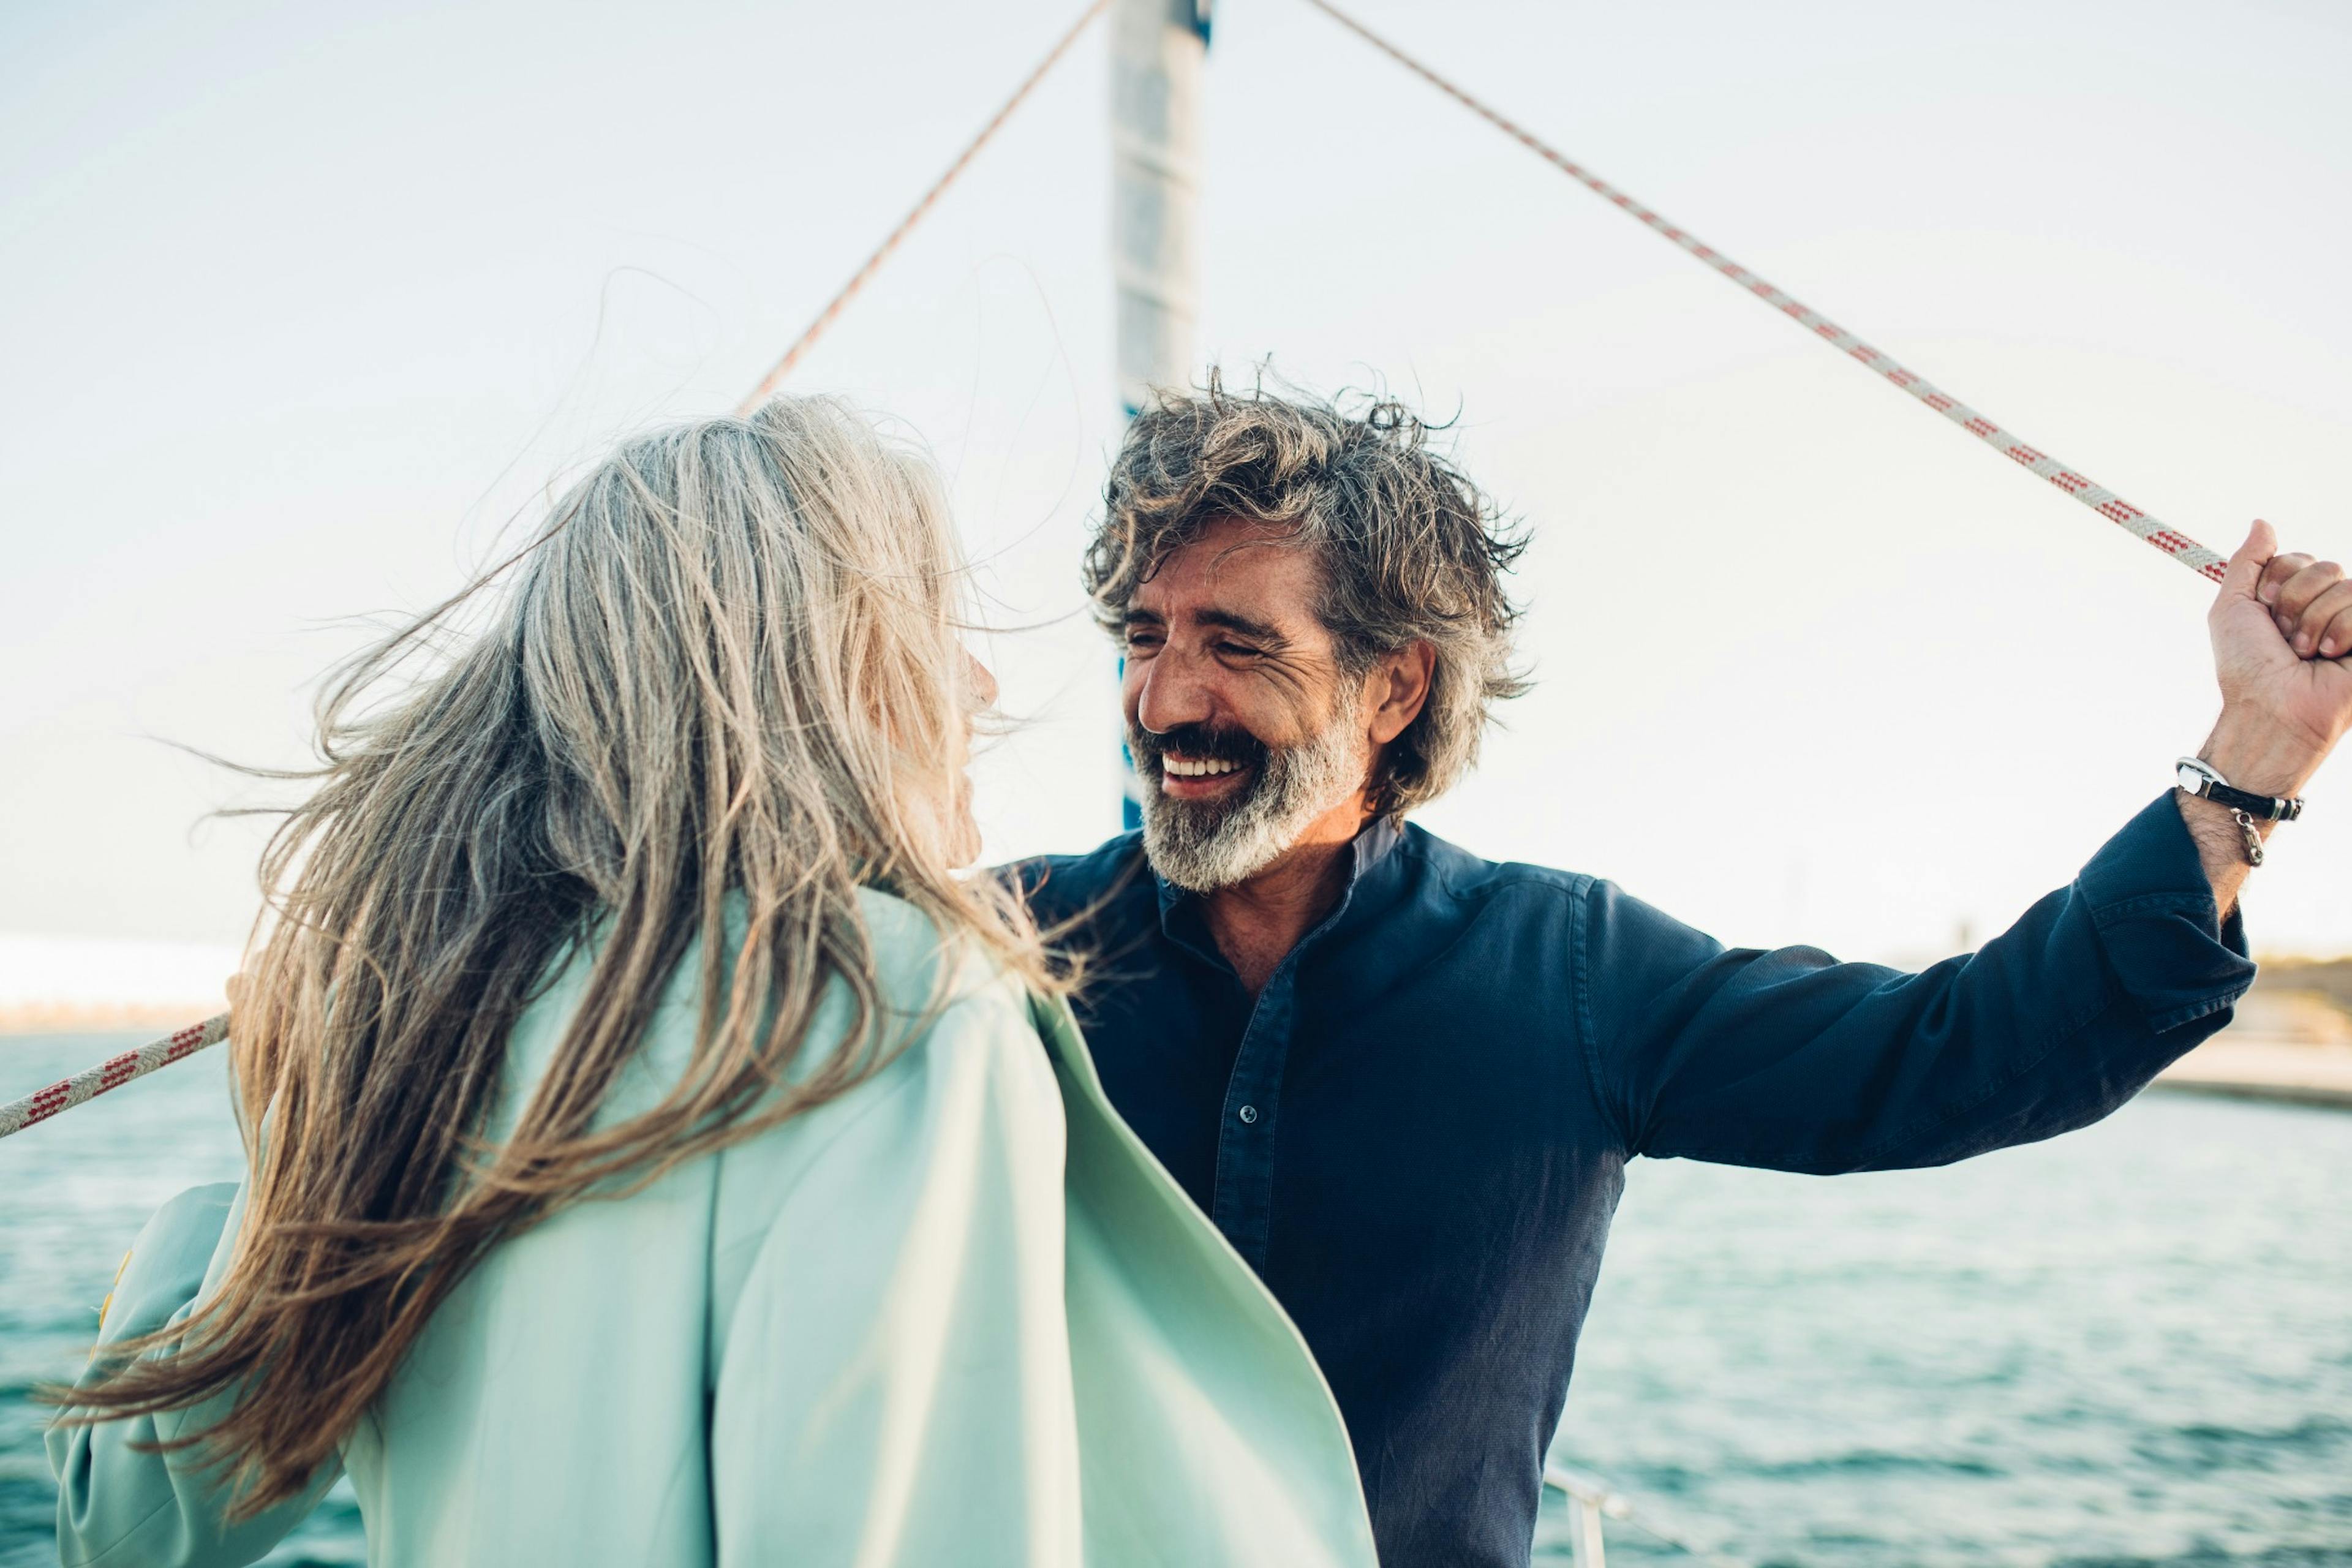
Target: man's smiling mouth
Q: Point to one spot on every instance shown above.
(1199, 767)
(1200, 778)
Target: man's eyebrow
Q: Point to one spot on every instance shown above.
(1234, 621)
(1135, 617)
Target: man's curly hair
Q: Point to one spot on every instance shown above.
(1410, 548)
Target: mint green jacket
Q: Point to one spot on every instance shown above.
(959, 1316)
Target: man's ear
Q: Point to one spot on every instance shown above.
(1398, 689)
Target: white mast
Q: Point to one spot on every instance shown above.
(1157, 49)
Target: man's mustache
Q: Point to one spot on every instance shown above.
(1234, 745)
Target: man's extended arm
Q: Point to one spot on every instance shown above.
(1792, 1060)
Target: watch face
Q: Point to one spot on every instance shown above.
(2190, 779)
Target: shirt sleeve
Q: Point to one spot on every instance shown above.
(1791, 1060)
(894, 1385)
(121, 1506)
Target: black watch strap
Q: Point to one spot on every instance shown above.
(2200, 779)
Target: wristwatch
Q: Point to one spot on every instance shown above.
(2199, 778)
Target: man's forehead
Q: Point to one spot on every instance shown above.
(1238, 567)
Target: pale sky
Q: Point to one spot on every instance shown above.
(302, 303)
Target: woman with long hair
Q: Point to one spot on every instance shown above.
(658, 1152)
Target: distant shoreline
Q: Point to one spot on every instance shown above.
(2246, 1065)
(77, 1018)
(2291, 1041)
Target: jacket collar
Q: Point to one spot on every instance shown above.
(1371, 851)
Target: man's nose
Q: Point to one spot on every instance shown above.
(1172, 694)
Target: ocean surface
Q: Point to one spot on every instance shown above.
(2129, 1346)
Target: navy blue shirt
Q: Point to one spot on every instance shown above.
(1418, 1131)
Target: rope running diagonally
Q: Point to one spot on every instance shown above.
(2103, 501)
(17, 1115)
(783, 367)
(20, 1114)
(112, 1073)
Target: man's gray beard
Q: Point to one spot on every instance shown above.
(1202, 846)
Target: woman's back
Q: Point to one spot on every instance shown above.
(741, 1361)
(740, 1347)
(910, 1326)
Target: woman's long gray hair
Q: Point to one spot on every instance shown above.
(717, 694)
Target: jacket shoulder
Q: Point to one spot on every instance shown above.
(928, 977)
(922, 977)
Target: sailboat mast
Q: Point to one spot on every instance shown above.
(1158, 47)
(1157, 50)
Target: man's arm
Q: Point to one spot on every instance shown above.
(1792, 1060)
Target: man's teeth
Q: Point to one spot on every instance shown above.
(1182, 768)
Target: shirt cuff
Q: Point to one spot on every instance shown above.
(2153, 907)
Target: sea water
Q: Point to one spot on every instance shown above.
(2132, 1345)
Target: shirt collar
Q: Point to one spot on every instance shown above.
(1375, 845)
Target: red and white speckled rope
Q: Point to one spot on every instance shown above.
(2099, 498)
(113, 1073)
(20, 1114)
(783, 367)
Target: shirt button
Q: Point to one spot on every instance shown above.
(1249, 1113)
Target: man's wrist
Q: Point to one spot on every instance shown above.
(2259, 755)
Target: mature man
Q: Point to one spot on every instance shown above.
(1406, 1081)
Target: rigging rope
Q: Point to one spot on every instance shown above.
(17, 1115)
(2103, 501)
(112, 1073)
(824, 318)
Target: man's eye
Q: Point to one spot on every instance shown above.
(1237, 650)
(1142, 641)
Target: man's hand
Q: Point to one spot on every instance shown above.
(2281, 625)
(2282, 630)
